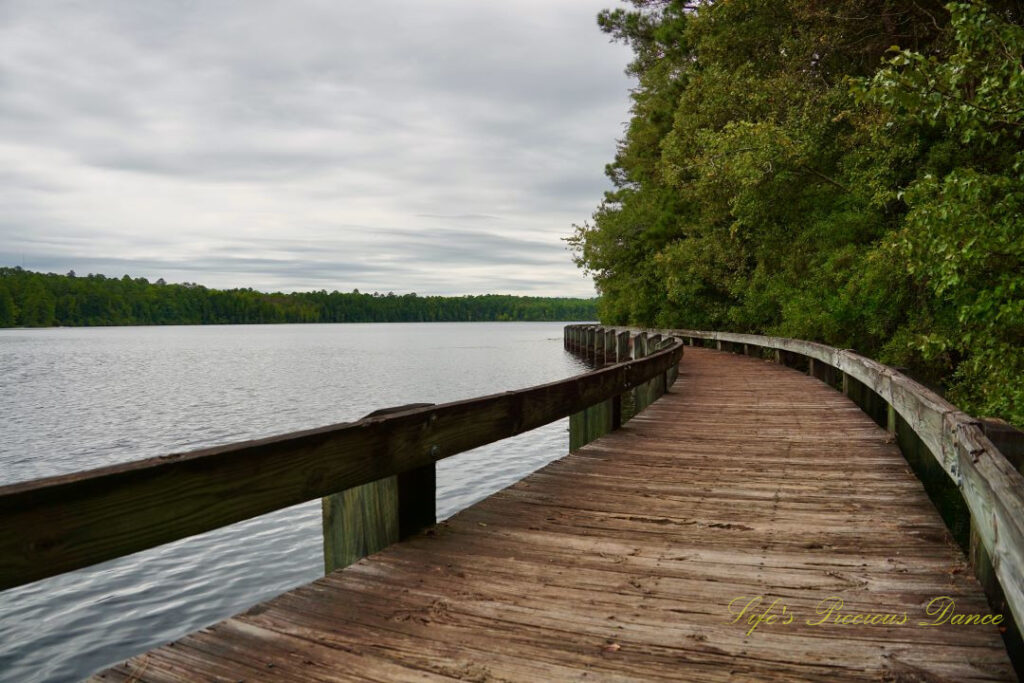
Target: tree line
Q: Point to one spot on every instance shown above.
(31, 299)
(850, 172)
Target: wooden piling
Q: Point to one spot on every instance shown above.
(641, 395)
(364, 519)
(622, 347)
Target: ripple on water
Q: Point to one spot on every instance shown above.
(81, 398)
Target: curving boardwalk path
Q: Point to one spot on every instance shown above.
(620, 561)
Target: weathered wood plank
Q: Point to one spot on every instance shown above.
(992, 488)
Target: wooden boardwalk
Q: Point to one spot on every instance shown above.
(620, 561)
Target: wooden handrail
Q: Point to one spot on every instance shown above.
(54, 525)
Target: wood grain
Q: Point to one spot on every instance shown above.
(992, 488)
(618, 562)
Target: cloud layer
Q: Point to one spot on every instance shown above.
(439, 147)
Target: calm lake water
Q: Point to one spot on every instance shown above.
(74, 399)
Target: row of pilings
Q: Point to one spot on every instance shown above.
(601, 346)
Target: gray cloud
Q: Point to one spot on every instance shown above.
(307, 144)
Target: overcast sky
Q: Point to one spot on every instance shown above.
(437, 148)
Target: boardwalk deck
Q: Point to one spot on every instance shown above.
(619, 562)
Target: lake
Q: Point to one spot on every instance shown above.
(77, 398)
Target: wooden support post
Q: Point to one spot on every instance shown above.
(359, 521)
(609, 346)
(577, 430)
(846, 384)
(364, 519)
(666, 381)
(656, 386)
(890, 419)
(810, 366)
(417, 500)
(600, 417)
(673, 372)
(622, 347)
(622, 404)
(640, 345)
(591, 423)
(718, 344)
(641, 393)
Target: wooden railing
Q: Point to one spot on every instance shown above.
(376, 477)
(978, 490)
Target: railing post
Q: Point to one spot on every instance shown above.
(656, 386)
(364, 519)
(599, 338)
(609, 346)
(591, 423)
(673, 372)
(622, 347)
(641, 394)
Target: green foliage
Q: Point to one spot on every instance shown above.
(8, 313)
(37, 300)
(787, 170)
(37, 305)
(963, 235)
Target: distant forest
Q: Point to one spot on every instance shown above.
(30, 299)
